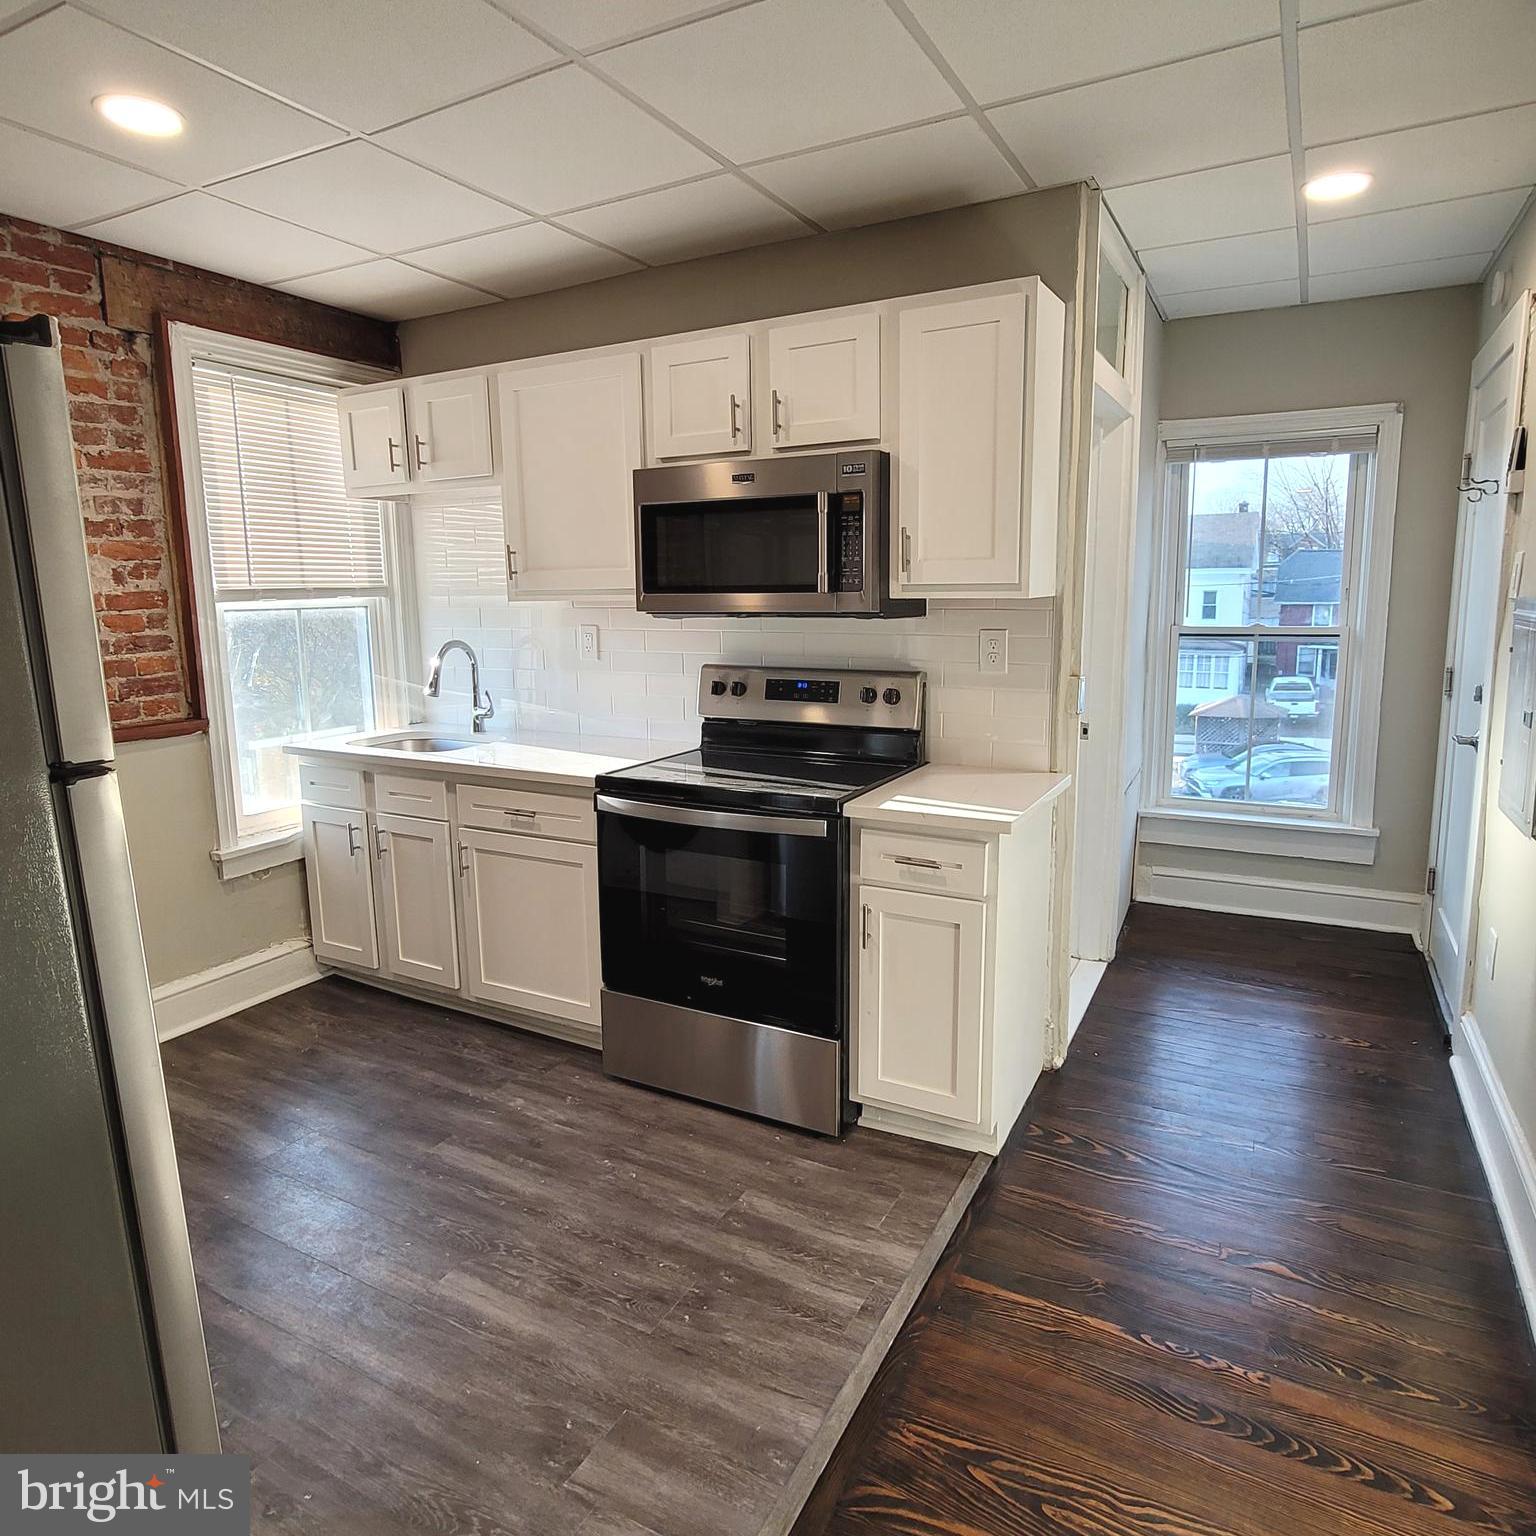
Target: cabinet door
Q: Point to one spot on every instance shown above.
(415, 864)
(373, 452)
(824, 381)
(450, 428)
(336, 867)
(701, 396)
(570, 443)
(921, 991)
(530, 921)
(959, 476)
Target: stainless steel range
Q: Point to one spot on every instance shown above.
(723, 889)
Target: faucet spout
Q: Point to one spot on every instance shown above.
(483, 708)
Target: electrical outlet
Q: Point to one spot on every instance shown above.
(994, 650)
(587, 642)
(1493, 950)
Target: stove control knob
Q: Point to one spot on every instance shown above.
(738, 688)
(717, 687)
(867, 695)
(893, 695)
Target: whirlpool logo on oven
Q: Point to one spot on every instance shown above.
(209, 1495)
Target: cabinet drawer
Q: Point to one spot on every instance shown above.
(327, 784)
(923, 863)
(511, 809)
(400, 794)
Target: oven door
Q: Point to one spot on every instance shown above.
(725, 912)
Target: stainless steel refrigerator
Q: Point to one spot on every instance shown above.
(103, 1342)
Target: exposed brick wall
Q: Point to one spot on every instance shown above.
(107, 301)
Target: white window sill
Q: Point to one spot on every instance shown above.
(258, 853)
(1285, 837)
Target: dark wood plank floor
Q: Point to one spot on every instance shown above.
(1236, 1274)
(454, 1279)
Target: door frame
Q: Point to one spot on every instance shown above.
(1510, 335)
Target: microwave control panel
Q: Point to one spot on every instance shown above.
(848, 540)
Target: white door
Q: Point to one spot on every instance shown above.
(824, 381)
(959, 475)
(530, 921)
(415, 865)
(450, 428)
(1475, 612)
(920, 1002)
(701, 396)
(336, 868)
(570, 443)
(373, 451)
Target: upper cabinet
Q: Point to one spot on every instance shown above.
(570, 443)
(450, 421)
(373, 456)
(701, 396)
(824, 380)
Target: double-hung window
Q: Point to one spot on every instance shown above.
(1270, 625)
(295, 581)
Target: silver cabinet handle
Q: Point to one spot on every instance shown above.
(1466, 741)
(511, 563)
(394, 448)
(735, 425)
(353, 846)
(778, 425)
(864, 927)
(463, 858)
(421, 451)
(915, 863)
(906, 553)
(378, 841)
(524, 815)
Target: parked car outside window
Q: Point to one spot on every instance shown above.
(1293, 694)
(1279, 773)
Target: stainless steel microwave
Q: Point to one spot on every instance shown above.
(803, 535)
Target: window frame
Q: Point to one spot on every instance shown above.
(278, 841)
(1345, 830)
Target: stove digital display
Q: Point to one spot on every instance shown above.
(803, 690)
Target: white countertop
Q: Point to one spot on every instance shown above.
(943, 798)
(574, 761)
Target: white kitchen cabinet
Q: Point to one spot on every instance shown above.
(450, 422)
(530, 923)
(337, 869)
(414, 859)
(570, 443)
(978, 445)
(824, 380)
(701, 396)
(373, 451)
(921, 1017)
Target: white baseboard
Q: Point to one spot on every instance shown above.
(1505, 1152)
(1300, 900)
(192, 1001)
(1086, 976)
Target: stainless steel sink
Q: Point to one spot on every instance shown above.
(415, 743)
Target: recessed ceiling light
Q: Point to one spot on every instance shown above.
(141, 115)
(1336, 186)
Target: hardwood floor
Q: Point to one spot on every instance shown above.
(455, 1279)
(1236, 1274)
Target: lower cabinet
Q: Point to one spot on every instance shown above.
(339, 873)
(416, 906)
(530, 923)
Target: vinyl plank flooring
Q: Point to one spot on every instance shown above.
(1237, 1273)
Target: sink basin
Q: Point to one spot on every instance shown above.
(416, 743)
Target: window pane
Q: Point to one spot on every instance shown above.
(1304, 535)
(337, 672)
(261, 647)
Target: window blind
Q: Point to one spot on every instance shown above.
(1363, 441)
(279, 517)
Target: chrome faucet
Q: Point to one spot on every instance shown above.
(481, 711)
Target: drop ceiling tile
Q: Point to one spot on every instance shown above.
(784, 75)
(532, 258)
(588, 24)
(337, 59)
(1262, 258)
(1415, 64)
(389, 289)
(55, 65)
(1460, 227)
(701, 218)
(1424, 165)
(1206, 205)
(1447, 272)
(1314, 11)
(914, 170)
(1001, 48)
(359, 192)
(1203, 112)
(204, 232)
(560, 140)
(53, 183)
(1227, 301)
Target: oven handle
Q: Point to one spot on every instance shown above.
(724, 821)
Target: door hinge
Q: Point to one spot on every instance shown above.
(1429, 884)
(1450, 681)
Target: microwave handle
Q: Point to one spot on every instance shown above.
(823, 529)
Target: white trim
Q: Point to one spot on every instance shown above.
(1302, 901)
(1504, 1151)
(258, 853)
(1332, 841)
(942, 1133)
(1086, 976)
(202, 998)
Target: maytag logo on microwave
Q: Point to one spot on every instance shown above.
(195, 1495)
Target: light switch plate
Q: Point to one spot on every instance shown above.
(587, 642)
(993, 655)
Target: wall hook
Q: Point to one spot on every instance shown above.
(1474, 490)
